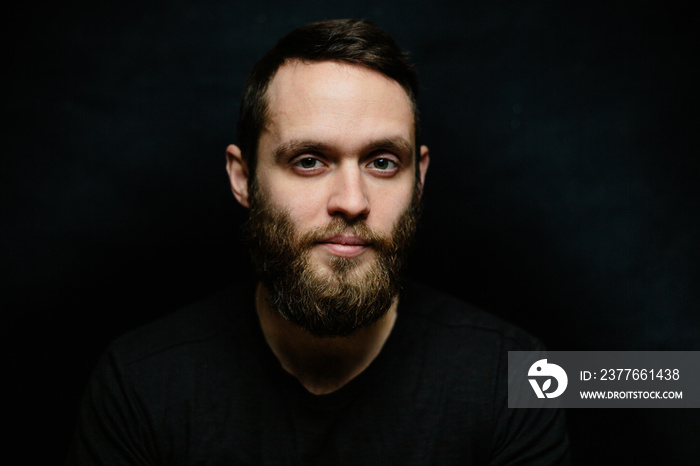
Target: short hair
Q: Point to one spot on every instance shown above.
(352, 41)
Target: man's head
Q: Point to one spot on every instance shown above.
(337, 177)
(352, 41)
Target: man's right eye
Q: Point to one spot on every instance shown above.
(307, 162)
(308, 165)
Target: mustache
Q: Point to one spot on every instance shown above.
(340, 226)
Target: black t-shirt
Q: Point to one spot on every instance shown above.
(201, 387)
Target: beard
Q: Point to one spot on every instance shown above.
(355, 293)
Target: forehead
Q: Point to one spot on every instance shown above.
(336, 99)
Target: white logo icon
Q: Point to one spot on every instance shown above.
(543, 369)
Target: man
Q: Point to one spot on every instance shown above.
(327, 358)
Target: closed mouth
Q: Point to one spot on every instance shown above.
(345, 246)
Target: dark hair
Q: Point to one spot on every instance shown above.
(353, 41)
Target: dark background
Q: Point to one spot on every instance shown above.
(562, 193)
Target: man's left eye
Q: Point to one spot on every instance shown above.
(383, 164)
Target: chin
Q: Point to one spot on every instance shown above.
(344, 267)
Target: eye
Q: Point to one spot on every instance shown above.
(307, 163)
(383, 164)
(385, 167)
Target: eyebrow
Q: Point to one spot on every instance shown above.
(397, 144)
(298, 146)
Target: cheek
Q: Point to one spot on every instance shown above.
(388, 205)
(385, 215)
(305, 207)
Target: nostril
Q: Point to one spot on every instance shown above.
(349, 199)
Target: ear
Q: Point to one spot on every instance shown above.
(423, 165)
(238, 174)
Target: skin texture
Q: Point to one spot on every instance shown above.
(339, 142)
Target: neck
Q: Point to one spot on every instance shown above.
(321, 364)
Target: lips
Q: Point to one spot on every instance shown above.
(345, 246)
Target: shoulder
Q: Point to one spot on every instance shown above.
(152, 379)
(442, 311)
(203, 321)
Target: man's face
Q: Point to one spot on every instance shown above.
(336, 173)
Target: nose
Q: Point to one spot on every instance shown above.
(348, 194)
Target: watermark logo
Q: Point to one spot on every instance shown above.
(542, 370)
(603, 379)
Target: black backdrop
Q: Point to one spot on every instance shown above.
(562, 192)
